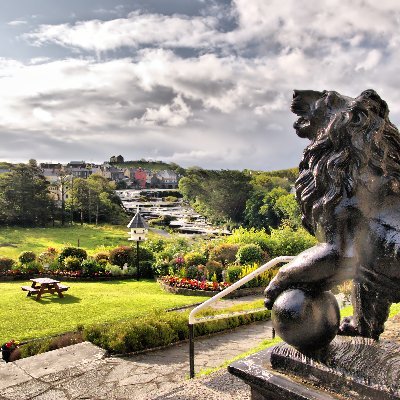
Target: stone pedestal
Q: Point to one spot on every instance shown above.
(349, 368)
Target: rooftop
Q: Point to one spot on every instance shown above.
(138, 222)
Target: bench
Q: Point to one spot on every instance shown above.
(63, 288)
(29, 289)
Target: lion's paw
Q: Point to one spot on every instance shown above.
(270, 294)
(347, 327)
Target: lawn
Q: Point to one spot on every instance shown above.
(85, 303)
(91, 238)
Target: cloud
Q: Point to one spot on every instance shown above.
(225, 102)
(17, 22)
(42, 115)
(174, 114)
(134, 31)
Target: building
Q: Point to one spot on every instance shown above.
(76, 164)
(140, 178)
(112, 173)
(117, 159)
(167, 179)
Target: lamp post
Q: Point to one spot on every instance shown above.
(139, 229)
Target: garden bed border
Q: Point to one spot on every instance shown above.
(210, 293)
(23, 277)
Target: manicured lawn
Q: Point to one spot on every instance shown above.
(394, 310)
(85, 303)
(91, 238)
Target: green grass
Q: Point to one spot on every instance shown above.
(347, 311)
(259, 303)
(262, 346)
(85, 303)
(91, 238)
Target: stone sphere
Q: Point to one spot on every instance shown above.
(305, 320)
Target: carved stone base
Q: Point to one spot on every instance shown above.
(349, 368)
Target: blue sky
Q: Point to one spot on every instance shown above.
(196, 82)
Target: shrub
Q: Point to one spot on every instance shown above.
(146, 269)
(234, 272)
(42, 345)
(194, 273)
(115, 270)
(72, 263)
(101, 256)
(250, 236)
(171, 199)
(26, 257)
(6, 264)
(160, 268)
(260, 280)
(286, 241)
(224, 253)
(249, 254)
(30, 268)
(91, 266)
(47, 257)
(163, 220)
(155, 245)
(214, 267)
(121, 255)
(194, 258)
(76, 252)
(155, 330)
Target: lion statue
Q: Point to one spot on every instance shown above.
(349, 191)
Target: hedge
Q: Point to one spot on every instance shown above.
(140, 334)
(155, 331)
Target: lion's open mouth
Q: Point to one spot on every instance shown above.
(301, 123)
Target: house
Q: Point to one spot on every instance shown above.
(79, 172)
(59, 186)
(168, 179)
(112, 173)
(52, 175)
(76, 164)
(140, 177)
(55, 166)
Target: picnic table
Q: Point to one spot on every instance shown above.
(44, 285)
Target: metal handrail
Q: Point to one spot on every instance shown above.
(220, 295)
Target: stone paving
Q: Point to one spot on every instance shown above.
(81, 371)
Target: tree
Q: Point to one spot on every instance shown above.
(219, 195)
(95, 200)
(24, 196)
(288, 208)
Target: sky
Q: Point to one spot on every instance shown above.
(197, 82)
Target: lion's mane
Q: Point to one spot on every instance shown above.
(361, 138)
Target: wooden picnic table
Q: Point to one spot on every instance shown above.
(44, 285)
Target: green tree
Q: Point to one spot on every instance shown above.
(219, 195)
(24, 196)
(95, 200)
(287, 207)
(272, 218)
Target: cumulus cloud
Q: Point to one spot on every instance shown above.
(135, 30)
(174, 114)
(224, 103)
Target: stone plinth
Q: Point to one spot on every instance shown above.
(349, 368)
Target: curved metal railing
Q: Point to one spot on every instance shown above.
(220, 295)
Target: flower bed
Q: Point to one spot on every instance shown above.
(194, 284)
(193, 287)
(64, 275)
